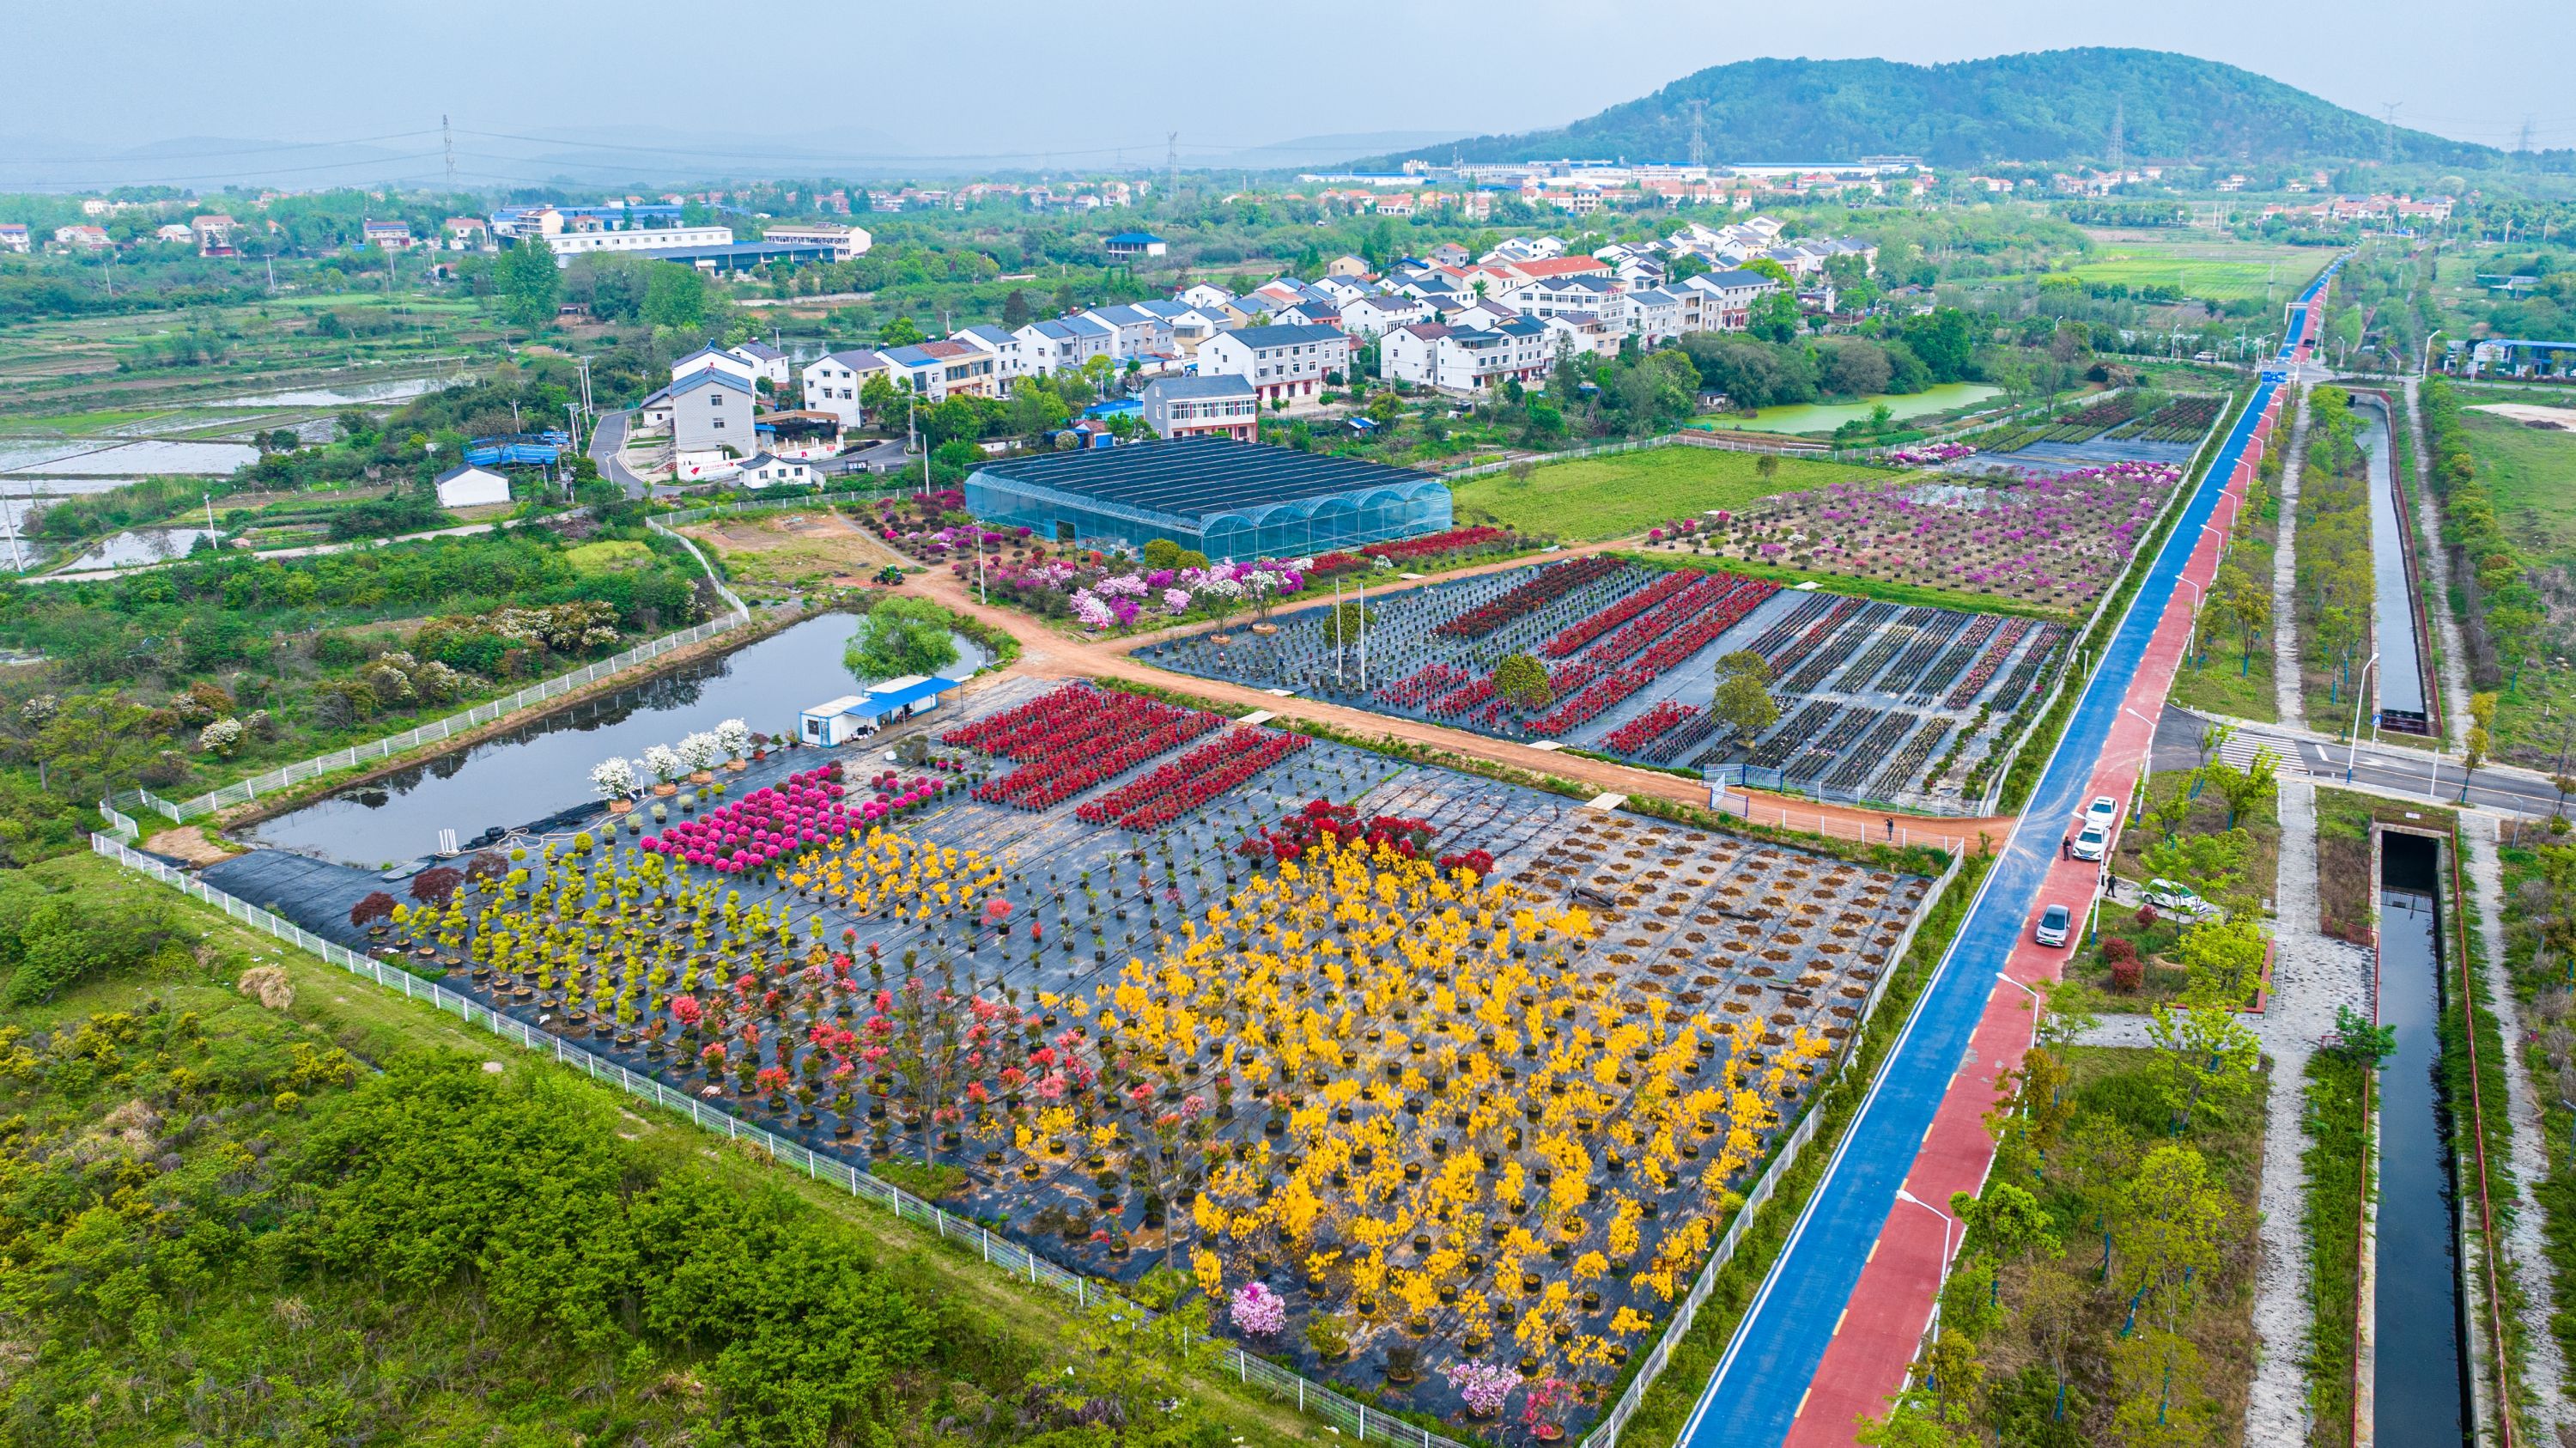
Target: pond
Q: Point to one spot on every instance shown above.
(543, 767)
(1807, 417)
(134, 547)
(121, 460)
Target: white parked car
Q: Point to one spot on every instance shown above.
(2103, 811)
(2091, 841)
(2054, 922)
(2177, 897)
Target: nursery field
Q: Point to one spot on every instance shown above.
(1627, 493)
(2052, 540)
(1876, 700)
(1431, 1084)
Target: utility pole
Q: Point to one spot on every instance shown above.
(586, 408)
(18, 561)
(447, 143)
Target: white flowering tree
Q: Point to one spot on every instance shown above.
(221, 737)
(700, 751)
(664, 763)
(734, 737)
(612, 778)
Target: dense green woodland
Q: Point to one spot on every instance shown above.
(218, 1227)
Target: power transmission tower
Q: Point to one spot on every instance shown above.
(1698, 147)
(2388, 131)
(447, 143)
(2118, 147)
(1171, 165)
(2522, 143)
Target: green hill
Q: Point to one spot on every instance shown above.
(2055, 105)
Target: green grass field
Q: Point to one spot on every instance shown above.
(2198, 266)
(2532, 473)
(1612, 497)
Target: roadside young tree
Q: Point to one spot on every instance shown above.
(2246, 788)
(2482, 709)
(2247, 608)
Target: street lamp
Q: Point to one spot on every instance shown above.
(2038, 1002)
(1947, 1222)
(2353, 744)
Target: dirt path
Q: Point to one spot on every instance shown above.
(1049, 653)
(2286, 699)
(2544, 1369)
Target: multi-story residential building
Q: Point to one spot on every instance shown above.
(833, 383)
(1411, 353)
(1728, 297)
(845, 241)
(1189, 326)
(1457, 360)
(1203, 407)
(465, 233)
(1341, 289)
(937, 370)
(768, 364)
(1010, 354)
(14, 237)
(1203, 294)
(1586, 295)
(1377, 316)
(1655, 315)
(1135, 331)
(1285, 364)
(390, 235)
(732, 364)
(1313, 312)
(1065, 344)
(711, 423)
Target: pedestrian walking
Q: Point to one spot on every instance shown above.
(1891, 827)
(2066, 847)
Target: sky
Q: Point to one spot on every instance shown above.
(1071, 85)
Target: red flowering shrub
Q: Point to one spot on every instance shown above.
(2128, 977)
(1303, 831)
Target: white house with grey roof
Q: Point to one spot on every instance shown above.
(1064, 344)
(1377, 316)
(834, 380)
(1203, 407)
(1010, 353)
(1286, 365)
(768, 364)
(1135, 331)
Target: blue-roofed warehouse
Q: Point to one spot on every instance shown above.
(1226, 499)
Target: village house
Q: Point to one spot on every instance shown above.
(1287, 365)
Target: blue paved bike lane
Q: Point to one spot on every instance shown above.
(1760, 1383)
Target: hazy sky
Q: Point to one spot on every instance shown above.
(1074, 81)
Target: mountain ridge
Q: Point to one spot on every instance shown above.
(2029, 107)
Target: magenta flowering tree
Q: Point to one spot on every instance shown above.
(1257, 1311)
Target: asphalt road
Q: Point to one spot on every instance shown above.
(2383, 769)
(606, 437)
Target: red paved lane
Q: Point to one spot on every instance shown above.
(1875, 1344)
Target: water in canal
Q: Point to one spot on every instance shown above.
(2401, 669)
(542, 767)
(2420, 1391)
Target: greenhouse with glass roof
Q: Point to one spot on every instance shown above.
(1229, 500)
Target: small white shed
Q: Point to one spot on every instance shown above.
(846, 718)
(471, 486)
